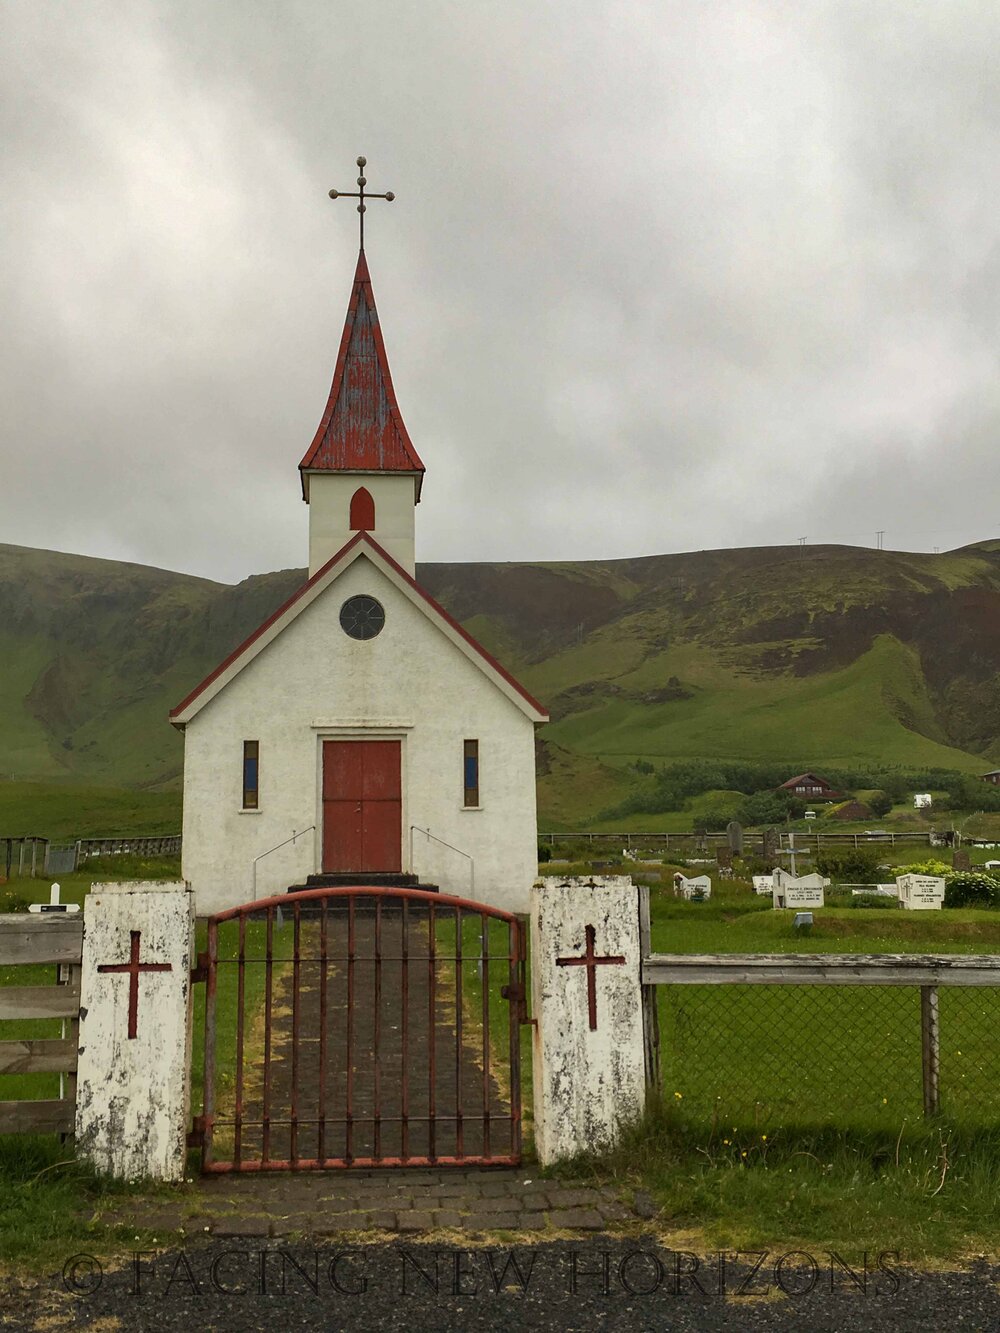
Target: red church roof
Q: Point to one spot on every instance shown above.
(361, 430)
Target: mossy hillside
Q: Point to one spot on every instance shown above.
(827, 656)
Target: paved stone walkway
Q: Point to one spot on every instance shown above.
(412, 1201)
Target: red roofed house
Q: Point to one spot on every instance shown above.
(360, 718)
(811, 787)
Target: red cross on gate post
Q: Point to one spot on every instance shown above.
(590, 961)
(133, 967)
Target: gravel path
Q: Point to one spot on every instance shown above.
(216, 1285)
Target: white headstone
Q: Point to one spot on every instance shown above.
(790, 891)
(699, 886)
(133, 1077)
(920, 892)
(589, 1068)
(763, 884)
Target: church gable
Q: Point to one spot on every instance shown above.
(361, 623)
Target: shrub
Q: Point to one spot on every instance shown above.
(544, 853)
(856, 865)
(928, 867)
(971, 888)
(880, 803)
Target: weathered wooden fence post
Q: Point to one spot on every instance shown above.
(650, 1011)
(133, 1077)
(930, 1041)
(589, 1065)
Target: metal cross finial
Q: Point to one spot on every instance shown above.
(360, 195)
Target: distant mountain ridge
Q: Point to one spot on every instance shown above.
(807, 654)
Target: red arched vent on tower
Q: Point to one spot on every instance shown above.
(362, 511)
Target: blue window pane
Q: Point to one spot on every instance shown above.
(250, 774)
(471, 771)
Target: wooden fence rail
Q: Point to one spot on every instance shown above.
(33, 941)
(810, 838)
(168, 845)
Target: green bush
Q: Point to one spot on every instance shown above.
(544, 853)
(928, 867)
(856, 865)
(880, 803)
(971, 888)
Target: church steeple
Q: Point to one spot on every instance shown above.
(361, 444)
(362, 429)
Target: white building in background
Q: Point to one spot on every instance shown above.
(360, 731)
(922, 800)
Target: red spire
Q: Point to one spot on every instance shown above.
(361, 430)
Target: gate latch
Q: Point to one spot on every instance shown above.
(196, 1134)
(200, 971)
(517, 994)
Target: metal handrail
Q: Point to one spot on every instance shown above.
(415, 828)
(276, 848)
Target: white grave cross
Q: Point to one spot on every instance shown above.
(54, 905)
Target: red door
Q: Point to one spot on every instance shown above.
(362, 806)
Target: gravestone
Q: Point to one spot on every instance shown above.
(724, 858)
(790, 891)
(920, 892)
(961, 860)
(763, 884)
(770, 844)
(697, 889)
(734, 832)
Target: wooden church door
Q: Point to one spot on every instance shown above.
(362, 806)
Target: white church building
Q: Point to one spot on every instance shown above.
(360, 732)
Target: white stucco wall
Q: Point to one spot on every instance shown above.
(330, 514)
(314, 682)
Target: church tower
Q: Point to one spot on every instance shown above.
(361, 473)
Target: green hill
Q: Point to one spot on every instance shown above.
(810, 656)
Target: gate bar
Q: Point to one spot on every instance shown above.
(404, 1146)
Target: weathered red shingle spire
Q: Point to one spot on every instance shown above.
(361, 430)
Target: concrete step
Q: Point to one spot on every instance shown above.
(347, 879)
(360, 880)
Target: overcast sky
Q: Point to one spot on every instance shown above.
(658, 276)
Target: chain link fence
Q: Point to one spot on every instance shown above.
(780, 1056)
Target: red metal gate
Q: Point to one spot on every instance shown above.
(362, 1027)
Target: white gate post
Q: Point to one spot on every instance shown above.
(134, 1072)
(589, 1062)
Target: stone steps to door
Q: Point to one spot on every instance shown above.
(360, 879)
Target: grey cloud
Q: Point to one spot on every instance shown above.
(657, 277)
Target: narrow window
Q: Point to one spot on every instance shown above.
(362, 511)
(251, 767)
(471, 773)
